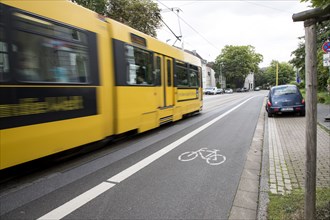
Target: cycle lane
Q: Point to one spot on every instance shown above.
(169, 188)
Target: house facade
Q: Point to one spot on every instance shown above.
(249, 81)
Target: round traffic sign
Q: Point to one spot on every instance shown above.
(326, 47)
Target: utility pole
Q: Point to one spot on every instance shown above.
(220, 76)
(311, 117)
(276, 73)
(310, 18)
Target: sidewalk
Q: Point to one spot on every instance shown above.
(287, 153)
(283, 163)
(277, 154)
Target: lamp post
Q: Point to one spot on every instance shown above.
(220, 76)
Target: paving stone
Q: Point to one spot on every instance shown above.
(287, 143)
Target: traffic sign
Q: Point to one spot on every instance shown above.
(326, 47)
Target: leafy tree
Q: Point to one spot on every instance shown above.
(99, 6)
(299, 59)
(260, 78)
(237, 62)
(143, 15)
(286, 74)
(323, 33)
(318, 3)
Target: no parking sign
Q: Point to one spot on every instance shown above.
(326, 47)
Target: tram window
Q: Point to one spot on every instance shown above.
(182, 74)
(169, 75)
(4, 64)
(43, 59)
(139, 66)
(157, 71)
(26, 22)
(193, 76)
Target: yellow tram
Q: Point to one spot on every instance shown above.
(70, 77)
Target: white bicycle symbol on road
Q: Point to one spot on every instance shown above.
(212, 157)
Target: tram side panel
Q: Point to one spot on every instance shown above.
(136, 93)
(62, 105)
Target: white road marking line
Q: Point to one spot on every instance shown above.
(89, 195)
(77, 202)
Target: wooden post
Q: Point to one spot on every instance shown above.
(311, 118)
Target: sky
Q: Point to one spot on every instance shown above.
(207, 26)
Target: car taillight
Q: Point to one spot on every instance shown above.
(303, 101)
(269, 103)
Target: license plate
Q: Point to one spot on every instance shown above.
(287, 109)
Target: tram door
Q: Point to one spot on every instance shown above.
(168, 82)
(164, 73)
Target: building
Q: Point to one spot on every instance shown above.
(209, 77)
(249, 81)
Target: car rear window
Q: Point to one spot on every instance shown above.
(284, 90)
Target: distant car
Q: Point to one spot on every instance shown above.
(257, 89)
(285, 99)
(220, 91)
(228, 91)
(242, 90)
(211, 91)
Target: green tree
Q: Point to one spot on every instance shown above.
(286, 74)
(236, 62)
(298, 60)
(260, 78)
(318, 3)
(143, 15)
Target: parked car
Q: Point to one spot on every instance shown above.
(257, 88)
(220, 91)
(228, 90)
(211, 91)
(242, 90)
(285, 99)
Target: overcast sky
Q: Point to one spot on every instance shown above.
(208, 25)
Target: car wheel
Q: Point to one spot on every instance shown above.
(270, 115)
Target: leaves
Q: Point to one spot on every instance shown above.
(317, 3)
(143, 15)
(323, 32)
(237, 62)
(286, 73)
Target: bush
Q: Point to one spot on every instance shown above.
(320, 99)
(323, 97)
(300, 85)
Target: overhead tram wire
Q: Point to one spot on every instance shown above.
(210, 43)
(177, 37)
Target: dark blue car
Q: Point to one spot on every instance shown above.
(285, 99)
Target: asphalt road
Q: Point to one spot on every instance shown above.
(145, 177)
